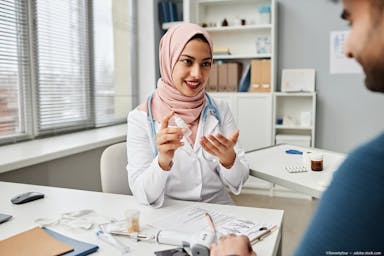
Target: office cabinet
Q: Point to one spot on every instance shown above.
(253, 115)
(294, 118)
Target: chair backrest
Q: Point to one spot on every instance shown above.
(113, 172)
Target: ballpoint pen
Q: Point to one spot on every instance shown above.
(136, 236)
(263, 235)
(109, 239)
(210, 222)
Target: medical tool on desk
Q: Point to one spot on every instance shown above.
(199, 243)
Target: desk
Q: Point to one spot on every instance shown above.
(61, 200)
(268, 164)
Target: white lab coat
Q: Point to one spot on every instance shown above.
(192, 177)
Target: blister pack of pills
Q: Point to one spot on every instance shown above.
(295, 168)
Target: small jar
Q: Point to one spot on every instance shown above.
(316, 162)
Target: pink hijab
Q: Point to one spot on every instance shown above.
(166, 97)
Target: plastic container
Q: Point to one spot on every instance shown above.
(316, 162)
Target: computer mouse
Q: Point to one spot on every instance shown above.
(26, 197)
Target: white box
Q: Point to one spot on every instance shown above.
(298, 80)
(298, 140)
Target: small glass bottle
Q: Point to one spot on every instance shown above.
(316, 162)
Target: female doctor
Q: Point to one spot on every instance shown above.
(164, 161)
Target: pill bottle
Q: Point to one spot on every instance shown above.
(316, 162)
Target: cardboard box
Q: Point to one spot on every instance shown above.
(260, 76)
(222, 77)
(212, 79)
(233, 76)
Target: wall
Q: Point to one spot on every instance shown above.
(79, 171)
(347, 113)
(147, 52)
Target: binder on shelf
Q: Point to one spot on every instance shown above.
(245, 79)
(222, 82)
(172, 12)
(233, 76)
(260, 76)
(164, 12)
(213, 79)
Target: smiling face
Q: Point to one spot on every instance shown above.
(191, 71)
(365, 42)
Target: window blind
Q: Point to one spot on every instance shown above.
(14, 76)
(62, 65)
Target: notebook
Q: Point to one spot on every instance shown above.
(44, 242)
(80, 248)
(33, 242)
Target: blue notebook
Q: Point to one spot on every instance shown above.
(80, 248)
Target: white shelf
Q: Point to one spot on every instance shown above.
(299, 94)
(241, 56)
(239, 28)
(167, 25)
(297, 107)
(293, 127)
(213, 2)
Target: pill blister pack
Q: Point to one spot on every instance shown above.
(295, 168)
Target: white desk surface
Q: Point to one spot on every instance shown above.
(61, 200)
(269, 164)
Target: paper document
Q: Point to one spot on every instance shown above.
(192, 220)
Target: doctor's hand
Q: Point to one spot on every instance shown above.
(168, 140)
(232, 245)
(221, 147)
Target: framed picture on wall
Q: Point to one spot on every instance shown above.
(298, 80)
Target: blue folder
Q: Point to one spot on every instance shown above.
(80, 248)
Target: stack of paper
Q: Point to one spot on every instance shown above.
(192, 220)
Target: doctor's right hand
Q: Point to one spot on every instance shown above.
(168, 139)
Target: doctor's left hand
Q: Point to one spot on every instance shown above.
(221, 147)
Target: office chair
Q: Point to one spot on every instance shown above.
(113, 172)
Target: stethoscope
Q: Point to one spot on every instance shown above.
(209, 108)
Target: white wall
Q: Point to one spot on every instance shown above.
(147, 55)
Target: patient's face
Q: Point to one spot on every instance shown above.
(365, 42)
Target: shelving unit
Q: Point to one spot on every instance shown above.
(252, 111)
(297, 111)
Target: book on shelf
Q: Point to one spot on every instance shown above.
(168, 12)
(172, 12)
(164, 12)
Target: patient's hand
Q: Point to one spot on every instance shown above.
(232, 245)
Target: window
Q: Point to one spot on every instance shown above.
(64, 68)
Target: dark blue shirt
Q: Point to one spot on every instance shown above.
(350, 214)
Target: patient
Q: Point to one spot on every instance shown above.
(200, 161)
(349, 218)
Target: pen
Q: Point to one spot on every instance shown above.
(136, 236)
(109, 239)
(263, 235)
(210, 222)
